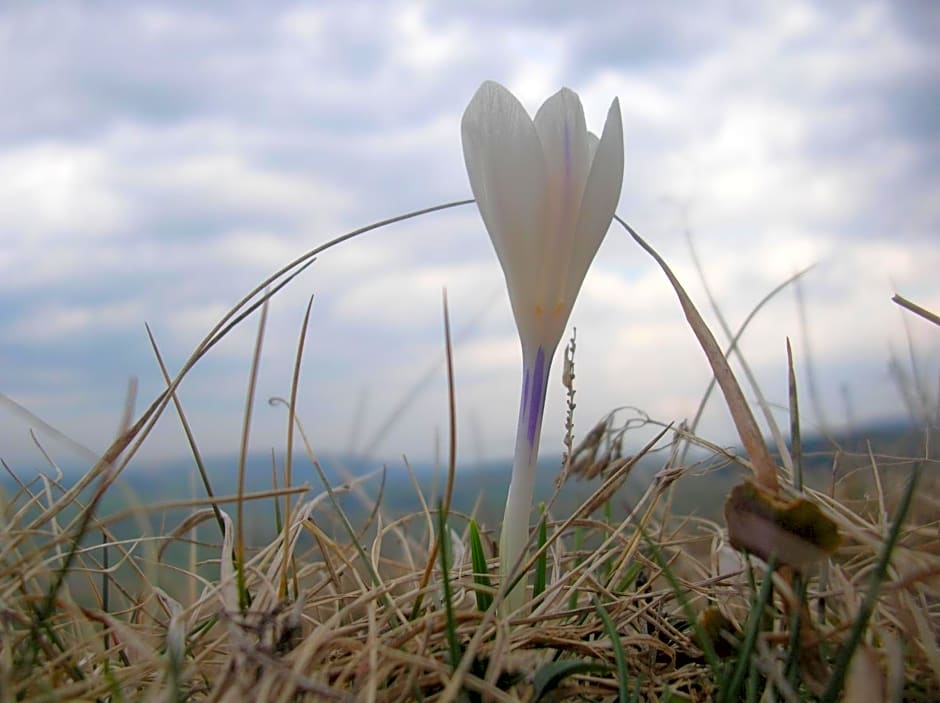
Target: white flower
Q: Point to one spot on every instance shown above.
(547, 189)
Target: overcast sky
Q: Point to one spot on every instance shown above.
(157, 161)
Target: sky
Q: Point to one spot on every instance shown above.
(159, 160)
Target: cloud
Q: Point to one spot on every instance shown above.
(163, 159)
(53, 190)
(61, 322)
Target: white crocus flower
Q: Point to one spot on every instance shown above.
(546, 189)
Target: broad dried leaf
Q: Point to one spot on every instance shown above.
(796, 530)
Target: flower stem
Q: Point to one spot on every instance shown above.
(515, 528)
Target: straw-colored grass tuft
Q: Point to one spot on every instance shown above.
(628, 600)
(623, 610)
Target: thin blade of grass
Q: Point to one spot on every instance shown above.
(620, 656)
(916, 309)
(701, 636)
(578, 546)
(187, 429)
(243, 597)
(278, 518)
(755, 621)
(481, 575)
(549, 676)
(791, 666)
(735, 341)
(451, 456)
(289, 461)
(796, 443)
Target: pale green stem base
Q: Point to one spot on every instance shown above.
(515, 528)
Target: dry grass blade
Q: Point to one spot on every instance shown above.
(187, 430)
(916, 309)
(289, 459)
(451, 457)
(733, 347)
(137, 433)
(796, 440)
(748, 431)
(331, 588)
(243, 597)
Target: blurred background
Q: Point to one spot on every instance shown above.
(158, 160)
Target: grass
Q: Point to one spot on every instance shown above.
(629, 600)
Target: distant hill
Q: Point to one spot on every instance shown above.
(480, 488)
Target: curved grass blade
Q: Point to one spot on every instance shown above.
(451, 454)
(763, 466)
(481, 575)
(702, 637)
(550, 675)
(754, 621)
(620, 656)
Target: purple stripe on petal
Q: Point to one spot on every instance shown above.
(525, 390)
(536, 400)
(567, 154)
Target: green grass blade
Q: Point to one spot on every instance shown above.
(629, 578)
(755, 621)
(481, 575)
(792, 666)
(796, 441)
(635, 698)
(548, 677)
(619, 655)
(702, 637)
(844, 656)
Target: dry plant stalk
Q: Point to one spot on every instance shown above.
(341, 629)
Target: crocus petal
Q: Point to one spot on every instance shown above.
(599, 202)
(544, 188)
(564, 137)
(593, 141)
(562, 131)
(507, 175)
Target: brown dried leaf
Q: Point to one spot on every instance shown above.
(796, 530)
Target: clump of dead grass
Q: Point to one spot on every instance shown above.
(349, 626)
(625, 604)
